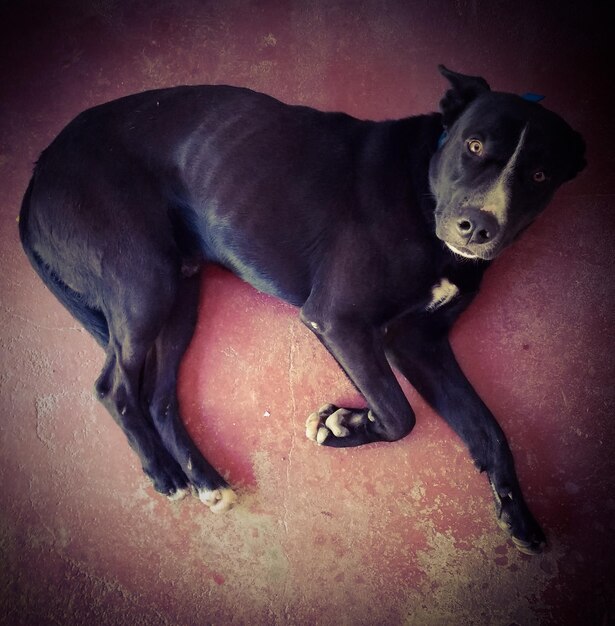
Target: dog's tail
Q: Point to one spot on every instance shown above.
(92, 319)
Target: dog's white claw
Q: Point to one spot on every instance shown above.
(218, 500)
(180, 494)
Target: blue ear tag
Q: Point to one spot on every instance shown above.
(532, 97)
(443, 138)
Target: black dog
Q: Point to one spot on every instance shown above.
(366, 226)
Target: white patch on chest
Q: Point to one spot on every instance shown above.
(442, 293)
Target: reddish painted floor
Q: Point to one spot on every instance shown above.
(388, 534)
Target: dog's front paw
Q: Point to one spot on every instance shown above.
(331, 420)
(514, 517)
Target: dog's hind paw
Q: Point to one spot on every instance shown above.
(331, 420)
(179, 494)
(218, 500)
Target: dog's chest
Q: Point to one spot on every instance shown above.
(443, 292)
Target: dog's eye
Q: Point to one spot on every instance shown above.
(475, 146)
(539, 177)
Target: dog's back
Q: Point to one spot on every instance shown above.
(195, 170)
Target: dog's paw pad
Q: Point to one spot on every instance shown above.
(218, 500)
(331, 420)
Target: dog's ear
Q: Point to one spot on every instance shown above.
(577, 155)
(464, 90)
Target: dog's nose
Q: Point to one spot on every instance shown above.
(476, 226)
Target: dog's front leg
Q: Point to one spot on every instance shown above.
(359, 350)
(427, 361)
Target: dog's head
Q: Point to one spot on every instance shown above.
(500, 160)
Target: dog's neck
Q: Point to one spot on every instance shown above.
(421, 136)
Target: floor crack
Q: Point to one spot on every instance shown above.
(293, 440)
(293, 435)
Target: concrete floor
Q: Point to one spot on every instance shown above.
(387, 534)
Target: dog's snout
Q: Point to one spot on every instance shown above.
(476, 226)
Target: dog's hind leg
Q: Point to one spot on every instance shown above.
(117, 389)
(160, 383)
(151, 323)
(135, 318)
(118, 257)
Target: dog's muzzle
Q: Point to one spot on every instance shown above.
(471, 233)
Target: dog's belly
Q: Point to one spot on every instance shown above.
(269, 266)
(286, 283)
